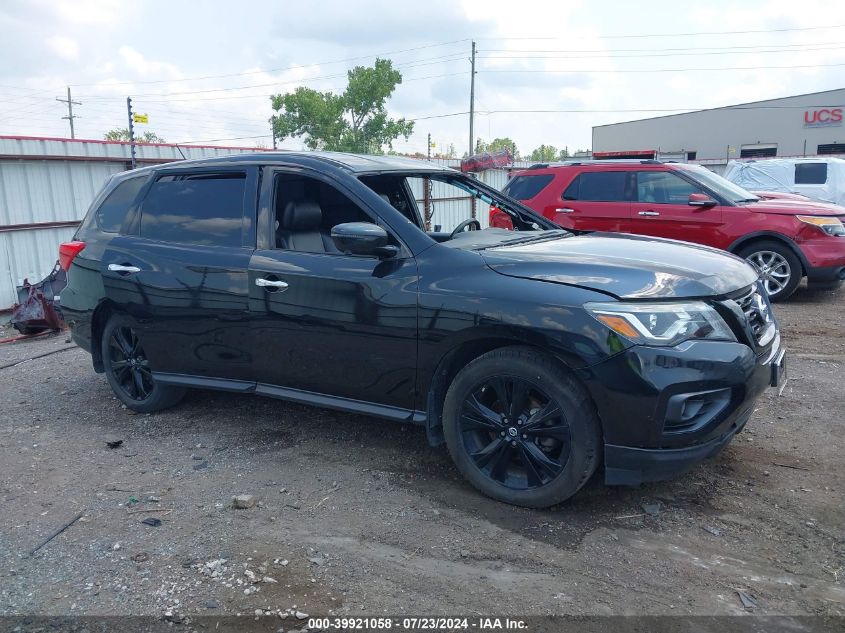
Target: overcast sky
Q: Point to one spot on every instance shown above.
(204, 70)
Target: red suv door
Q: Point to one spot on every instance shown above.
(661, 208)
(595, 201)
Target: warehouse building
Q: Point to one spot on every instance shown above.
(802, 125)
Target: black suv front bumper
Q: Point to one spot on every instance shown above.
(664, 410)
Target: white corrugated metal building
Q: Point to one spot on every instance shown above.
(47, 184)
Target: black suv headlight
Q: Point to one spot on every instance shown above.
(662, 323)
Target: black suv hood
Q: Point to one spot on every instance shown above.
(625, 266)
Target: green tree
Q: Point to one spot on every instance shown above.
(496, 145)
(354, 121)
(122, 134)
(544, 153)
(564, 154)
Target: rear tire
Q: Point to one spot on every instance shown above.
(128, 370)
(780, 269)
(521, 428)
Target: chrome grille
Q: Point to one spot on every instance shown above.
(758, 315)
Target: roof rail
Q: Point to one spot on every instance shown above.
(600, 161)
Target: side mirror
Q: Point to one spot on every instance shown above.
(701, 200)
(362, 238)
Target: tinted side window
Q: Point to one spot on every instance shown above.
(810, 173)
(113, 210)
(526, 187)
(195, 209)
(608, 186)
(663, 187)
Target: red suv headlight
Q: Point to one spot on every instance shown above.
(831, 226)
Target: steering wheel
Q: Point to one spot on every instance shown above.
(465, 224)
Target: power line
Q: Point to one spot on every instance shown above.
(660, 70)
(216, 140)
(654, 50)
(284, 68)
(679, 54)
(437, 60)
(261, 95)
(694, 34)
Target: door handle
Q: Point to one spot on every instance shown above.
(565, 210)
(649, 213)
(271, 284)
(120, 268)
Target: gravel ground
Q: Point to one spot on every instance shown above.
(359, 516)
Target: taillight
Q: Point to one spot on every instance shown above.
(67, 251)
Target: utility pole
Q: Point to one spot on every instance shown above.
(131, 131)
(428, 146)
(273, 126)
(472, 101)
(70, 115)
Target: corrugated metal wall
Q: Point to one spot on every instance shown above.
(51, 182)
(46, 181)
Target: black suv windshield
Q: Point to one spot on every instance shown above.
(722, 186)
(448, 203)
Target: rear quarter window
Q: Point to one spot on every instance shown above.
(526, 187)
(195, 209)
(607, 186)
(810, 173)
(113, 210)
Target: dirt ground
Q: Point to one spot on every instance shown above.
(360, 516)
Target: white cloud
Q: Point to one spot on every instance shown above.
(577, 58)
(65, 47)
(136, 61)
(86, 11)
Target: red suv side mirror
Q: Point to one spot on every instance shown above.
(701, 200)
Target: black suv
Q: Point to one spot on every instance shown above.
(536, 354)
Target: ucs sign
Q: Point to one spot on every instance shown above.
(823, 117)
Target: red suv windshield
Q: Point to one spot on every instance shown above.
(723, 187)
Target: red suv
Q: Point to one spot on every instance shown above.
(785, 239)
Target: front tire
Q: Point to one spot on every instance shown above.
(128, 370)
(521, 428)
(779, 267)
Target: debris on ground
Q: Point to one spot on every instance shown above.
(56, 533)
(713, 530)
(651, 509)
(243, 502)
(152, 522)
(748, 602)
(113, 442)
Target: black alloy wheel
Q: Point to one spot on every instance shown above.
(129, 372)
(521, 427)
(128, 364)
(514, 432)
